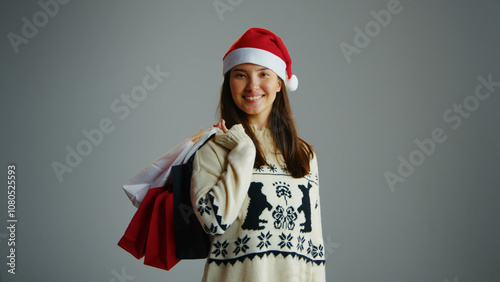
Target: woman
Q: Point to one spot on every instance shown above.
(255, 186)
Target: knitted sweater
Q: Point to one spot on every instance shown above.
(264, 224)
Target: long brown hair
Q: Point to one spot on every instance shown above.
(296, 152)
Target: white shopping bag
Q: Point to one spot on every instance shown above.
(157, 174)
(154, 174)
(187, 153)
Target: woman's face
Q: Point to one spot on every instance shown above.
(254, 89)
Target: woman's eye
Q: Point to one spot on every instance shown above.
(265, 74)
(239, 75)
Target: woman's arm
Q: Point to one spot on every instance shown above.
(221, 176)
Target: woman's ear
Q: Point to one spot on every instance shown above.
(278, 87)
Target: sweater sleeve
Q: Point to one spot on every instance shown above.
(316, 204)
(222, 172)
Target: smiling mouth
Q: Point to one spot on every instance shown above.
(253, 98)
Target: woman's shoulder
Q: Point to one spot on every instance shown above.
(313, 163)
(210, 158)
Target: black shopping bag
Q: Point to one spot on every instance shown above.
(191, 241)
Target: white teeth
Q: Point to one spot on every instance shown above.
(253, 98)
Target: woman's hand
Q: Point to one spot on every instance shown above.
(222, 125)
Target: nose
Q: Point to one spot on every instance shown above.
(253, 83)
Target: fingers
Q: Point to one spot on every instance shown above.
(224, 128)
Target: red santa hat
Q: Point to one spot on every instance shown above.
(261, 47)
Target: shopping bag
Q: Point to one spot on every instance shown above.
(136, 234)
(191, 241)
(201, 140)
(151, 233)
(160, 246)
(156, 174)
(194, 144)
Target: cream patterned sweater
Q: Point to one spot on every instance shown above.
(264, 224)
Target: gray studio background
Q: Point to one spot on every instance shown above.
(363, 116)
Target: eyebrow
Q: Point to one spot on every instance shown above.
(242, 70)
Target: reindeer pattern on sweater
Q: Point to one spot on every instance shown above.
(258, 213)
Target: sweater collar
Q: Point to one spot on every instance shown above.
(264, 132)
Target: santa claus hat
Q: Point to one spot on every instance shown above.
(261, 47)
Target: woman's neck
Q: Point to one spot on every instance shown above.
(259, 122)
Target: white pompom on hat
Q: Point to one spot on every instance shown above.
(261, 47)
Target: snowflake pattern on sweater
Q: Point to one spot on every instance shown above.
(256, 212)
(281, 220)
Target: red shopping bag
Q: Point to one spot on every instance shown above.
(134, 239)
(160, 246)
